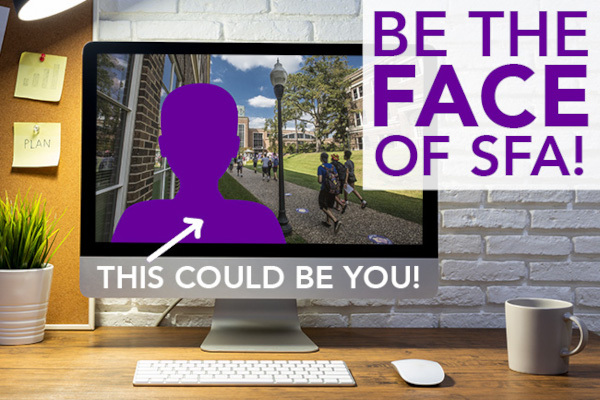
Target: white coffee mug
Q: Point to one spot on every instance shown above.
(538, 335)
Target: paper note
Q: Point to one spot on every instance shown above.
(36, 145)
(3, 21)
(349, 189)
(40, 80)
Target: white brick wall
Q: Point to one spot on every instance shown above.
(483, 271)
(231, 20)
(224, 7)
(182, 30)
(493, 245)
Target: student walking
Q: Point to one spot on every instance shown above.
(330, 185)
(350, 179)
(342, 172)
(240, 166)
(266, 167)
(255, 162)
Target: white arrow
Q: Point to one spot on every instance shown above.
(195, 226)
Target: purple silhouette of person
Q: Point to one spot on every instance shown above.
(199, 138)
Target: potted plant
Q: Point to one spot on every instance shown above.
(27, 236)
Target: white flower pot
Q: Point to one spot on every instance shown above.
(23, 304)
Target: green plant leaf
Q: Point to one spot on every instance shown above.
(28, 232)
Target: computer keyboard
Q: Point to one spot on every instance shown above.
(242, 373)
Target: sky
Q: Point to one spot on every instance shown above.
(246, 78)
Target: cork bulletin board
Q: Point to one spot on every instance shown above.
(64, 35)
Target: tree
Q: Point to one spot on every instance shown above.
(271, 132)
(317, 94)
(290, 148)
(108, 116)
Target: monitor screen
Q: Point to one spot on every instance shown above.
(174, 132)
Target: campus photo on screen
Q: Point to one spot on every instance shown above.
(322, 142)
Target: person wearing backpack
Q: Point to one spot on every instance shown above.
(350, 179)
(266, 167)
(342, 176)
(330, 186)
(240, 166)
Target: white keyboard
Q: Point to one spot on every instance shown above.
(242, 373)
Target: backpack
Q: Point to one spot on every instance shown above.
(332, 182)
(270, 163)
(341, 169)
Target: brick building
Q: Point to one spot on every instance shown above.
(256, 140)
(355, 127)
(130, 91)
(261, 141)
(243, 129)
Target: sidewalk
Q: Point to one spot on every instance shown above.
(357, 223)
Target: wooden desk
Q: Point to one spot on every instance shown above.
(100, 365)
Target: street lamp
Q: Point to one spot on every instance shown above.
(278, 79)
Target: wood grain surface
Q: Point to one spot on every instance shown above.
(63, 35)
(101, 364)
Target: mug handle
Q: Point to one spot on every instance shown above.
(583, 335)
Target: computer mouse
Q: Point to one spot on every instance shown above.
(420, 372)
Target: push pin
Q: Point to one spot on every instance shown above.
(36, 129)
(43, 57)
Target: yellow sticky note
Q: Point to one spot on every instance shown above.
(40, 80)
(36, 144)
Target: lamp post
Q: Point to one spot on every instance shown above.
(278, 79)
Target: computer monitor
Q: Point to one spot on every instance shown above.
(170, 136)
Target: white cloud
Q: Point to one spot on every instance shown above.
(217, 80)
(257, 122)
(244, 63)
(262, 88)
(309, 125)
(306, 117)
(261, 101)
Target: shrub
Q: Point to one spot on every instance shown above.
(27, 233)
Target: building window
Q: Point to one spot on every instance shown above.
(258, 140)
(113, 113)
(163, 186)
(241, 131)
(358, 119)
(357, 92)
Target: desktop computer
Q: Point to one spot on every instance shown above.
(179, 196)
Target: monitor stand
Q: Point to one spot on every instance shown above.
(257, 325)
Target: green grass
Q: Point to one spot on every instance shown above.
(408, 208)
(301, 169)
(231, 189)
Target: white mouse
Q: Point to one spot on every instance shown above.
(419, 372)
